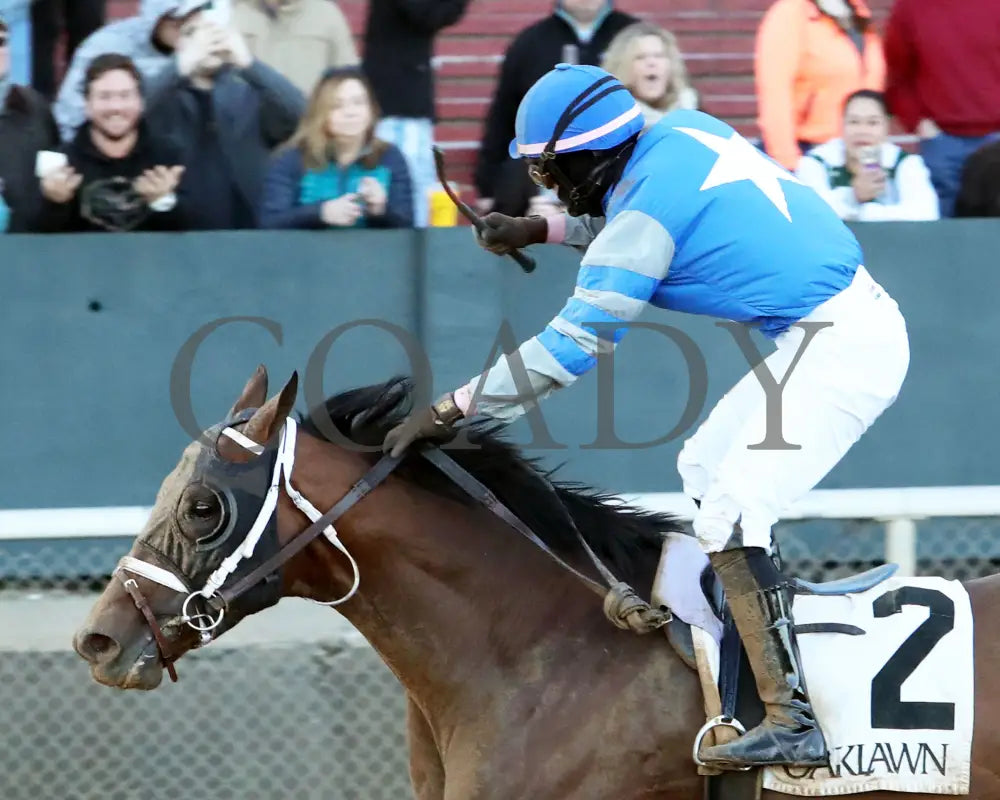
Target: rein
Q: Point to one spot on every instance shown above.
(622, 606)
(490, 500)
(166, 654)
(224, 596)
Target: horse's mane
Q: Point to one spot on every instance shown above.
(627, 539)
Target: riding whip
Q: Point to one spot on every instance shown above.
(527, 262)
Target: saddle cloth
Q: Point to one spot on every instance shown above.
(895, 702)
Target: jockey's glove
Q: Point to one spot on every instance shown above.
(501, 233)
(432, 424)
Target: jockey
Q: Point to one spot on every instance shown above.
(690, 216)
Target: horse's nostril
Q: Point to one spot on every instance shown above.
(98, 648)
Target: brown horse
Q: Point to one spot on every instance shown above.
(518, 687)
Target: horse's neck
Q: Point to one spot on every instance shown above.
(490, 638)
(452, 600)
(474, 620)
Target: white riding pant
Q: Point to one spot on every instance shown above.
(849, 373)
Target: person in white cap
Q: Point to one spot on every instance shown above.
(148, 39)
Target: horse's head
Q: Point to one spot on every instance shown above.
(213, 522)
(223, 538)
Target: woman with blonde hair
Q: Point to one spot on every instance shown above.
(647, 60)
(334, 172)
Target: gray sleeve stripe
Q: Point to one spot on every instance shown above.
(540, 361)
(633, 241)
(502, 399)
(620, 305)
(585, 340)
(581, 231)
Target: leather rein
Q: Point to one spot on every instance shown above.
(623, 607)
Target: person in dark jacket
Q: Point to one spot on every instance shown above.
(26, 126)
(148, 38)
(335, 172)
(228, 111)
(118, 175)
(979, 191)
(399, 41)
(577, 31)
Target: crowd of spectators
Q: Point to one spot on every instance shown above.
(193, 115)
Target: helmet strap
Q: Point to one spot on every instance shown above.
(582, 195)
(575, 108)
(585, 196)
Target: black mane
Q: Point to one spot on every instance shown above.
(628, 540)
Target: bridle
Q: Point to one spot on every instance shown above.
(621, 603)
(218, 601)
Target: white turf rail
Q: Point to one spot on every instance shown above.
(884, 505)
(899, 510)
(911, 502)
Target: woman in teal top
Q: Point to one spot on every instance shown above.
(334, 172)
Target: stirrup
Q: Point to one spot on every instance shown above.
(716, 722)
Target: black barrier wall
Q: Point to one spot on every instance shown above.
(93, 325)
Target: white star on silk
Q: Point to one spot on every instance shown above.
(740, 161)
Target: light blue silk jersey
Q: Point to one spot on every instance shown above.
(700, 222)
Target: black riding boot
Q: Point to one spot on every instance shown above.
(762, 613)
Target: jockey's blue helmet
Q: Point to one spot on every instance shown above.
(574, 107)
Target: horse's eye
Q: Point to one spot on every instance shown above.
(203, 509)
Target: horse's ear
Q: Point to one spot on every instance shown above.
(270, 417)
(254, 393)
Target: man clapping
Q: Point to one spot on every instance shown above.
(118, 174)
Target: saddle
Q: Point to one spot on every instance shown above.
(679, 632)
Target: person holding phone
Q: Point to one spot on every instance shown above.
(227, 111)
(865, 177)
(334, 172)
(148, 38)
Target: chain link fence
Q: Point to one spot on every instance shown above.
(958, 548)
(322, 718)
(317, 722)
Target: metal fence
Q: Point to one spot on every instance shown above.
(959, 548)
(318, 721)
(320, 718)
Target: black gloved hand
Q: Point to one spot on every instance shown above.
(502, 234)
(433, 423)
